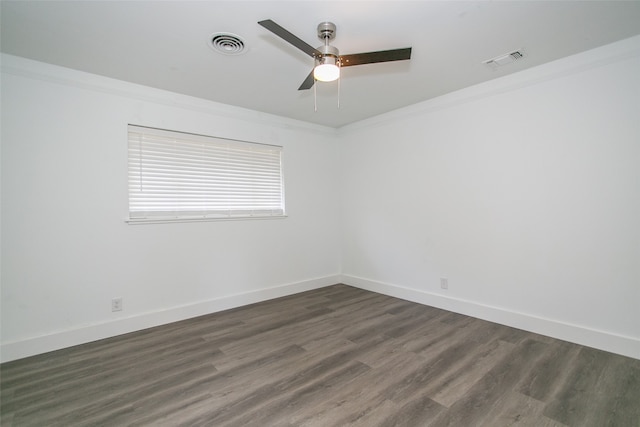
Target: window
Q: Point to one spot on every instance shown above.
(180, 176)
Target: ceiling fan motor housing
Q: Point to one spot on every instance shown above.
(326, 30)
(330, 54)
(328, 50)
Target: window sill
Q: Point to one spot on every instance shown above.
(169, 220)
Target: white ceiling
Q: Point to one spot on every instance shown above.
(164, 44)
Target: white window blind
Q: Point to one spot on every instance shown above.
(179, 176)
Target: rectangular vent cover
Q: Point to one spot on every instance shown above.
(505, 59)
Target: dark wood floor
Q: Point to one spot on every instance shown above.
(336, 356)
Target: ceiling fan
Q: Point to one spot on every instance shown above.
(328, 60)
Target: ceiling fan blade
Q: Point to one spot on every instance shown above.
(373, 57)
(308, 82)
(287, 36)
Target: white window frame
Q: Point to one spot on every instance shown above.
(177, 177)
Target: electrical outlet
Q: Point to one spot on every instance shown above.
(116, 304)
(444, 283)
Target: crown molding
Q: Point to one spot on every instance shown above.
(28, 68)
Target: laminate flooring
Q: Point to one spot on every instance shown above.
(336, 356)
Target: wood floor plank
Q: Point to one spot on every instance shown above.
(475, 406)
(314, 393)
(571, 404)
(296, 378)
(83, 386)
(517, 409)
(362, 396)
(550, 372)
(459, 380)
(431, 371)
(336, 356)
(224, 388)
(597, 388)
(618, 395)
(419, 411)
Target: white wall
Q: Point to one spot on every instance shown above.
(523, 192)
(66, 250)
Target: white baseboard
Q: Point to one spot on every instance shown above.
(626, 346)
(87, 333)
(619, 344)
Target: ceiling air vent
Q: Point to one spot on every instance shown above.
(227, 43)
(505, 59)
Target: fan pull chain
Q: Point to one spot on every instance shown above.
(339, 78)
(315, 98)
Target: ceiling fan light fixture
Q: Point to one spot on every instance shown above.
(327, 69)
